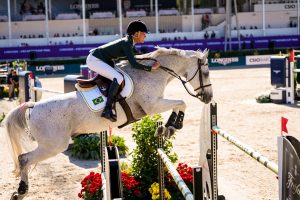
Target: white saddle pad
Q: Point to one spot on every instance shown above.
(96, 101)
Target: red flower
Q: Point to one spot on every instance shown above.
(130, 185)
(186, 174)
(91, 186)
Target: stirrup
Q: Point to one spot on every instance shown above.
(108, 114)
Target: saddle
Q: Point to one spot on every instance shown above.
(102, 83)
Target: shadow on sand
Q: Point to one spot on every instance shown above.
(87, 164)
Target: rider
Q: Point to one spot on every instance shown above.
(101, 60)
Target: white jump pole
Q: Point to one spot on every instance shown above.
(177, 178)
(45, 90)
(248, 150)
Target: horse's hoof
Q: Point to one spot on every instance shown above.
(170, 132)
(179, 120)
(159, 131)
(14, 196)
(178, 126)
(23, 188)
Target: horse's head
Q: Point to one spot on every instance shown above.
(198, 76)
(192, 65)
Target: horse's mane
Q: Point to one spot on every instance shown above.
(173, 51)
(160, 51)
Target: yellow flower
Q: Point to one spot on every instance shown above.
(5, 89)
(154, 190)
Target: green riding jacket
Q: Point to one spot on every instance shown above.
(120, 49)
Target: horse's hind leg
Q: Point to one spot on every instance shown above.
(23, 185)
(30, 158)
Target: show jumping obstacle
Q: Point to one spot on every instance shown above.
(283, 71)
(288, 169)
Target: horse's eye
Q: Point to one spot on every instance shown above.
(206, 72)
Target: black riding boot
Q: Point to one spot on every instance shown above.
(112, 92)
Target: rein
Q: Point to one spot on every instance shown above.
(201, 86)
(174, 74)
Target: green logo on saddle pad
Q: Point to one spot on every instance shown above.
(98, 100)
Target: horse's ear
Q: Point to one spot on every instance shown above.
(205, 52)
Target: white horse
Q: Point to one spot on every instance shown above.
(53, 121)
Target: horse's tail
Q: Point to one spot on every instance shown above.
(15, 124)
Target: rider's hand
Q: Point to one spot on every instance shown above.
(156, 65)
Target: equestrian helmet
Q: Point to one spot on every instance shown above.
(136, 26)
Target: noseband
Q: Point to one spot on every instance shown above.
(200, 94)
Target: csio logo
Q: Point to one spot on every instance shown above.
(258, 60)
(290, 6)
(261, 59)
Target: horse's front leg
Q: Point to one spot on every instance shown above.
(161, 105)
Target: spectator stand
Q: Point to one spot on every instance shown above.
(67, 16)
(171, 11)
(3, 18)
(139, 13)
(200, 11)
(100, 15)
(38, 17)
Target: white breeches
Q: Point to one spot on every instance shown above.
(103, 68)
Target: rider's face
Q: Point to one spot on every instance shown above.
(139, 37)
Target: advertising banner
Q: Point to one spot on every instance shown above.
(258, 60)
(55, 69)
(230, 61)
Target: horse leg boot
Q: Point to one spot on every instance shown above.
(23, 185)
(179, 120)
(112, 92)
(172, 119)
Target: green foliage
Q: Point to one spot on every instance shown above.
(87, 146)
(120, 143)
(264, 98)
(145, 157)
(19, 64)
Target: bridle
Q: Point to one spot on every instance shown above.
(200, 94)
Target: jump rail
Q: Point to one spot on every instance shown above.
(163, 160)
(31, 88)
(46, 90)
(177, 178)
(248, 150)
